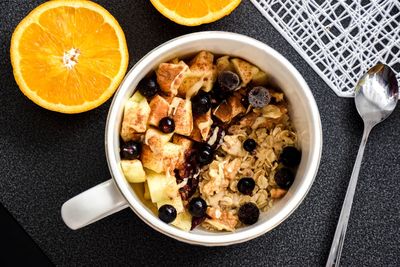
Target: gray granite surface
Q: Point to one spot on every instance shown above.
(46, 158)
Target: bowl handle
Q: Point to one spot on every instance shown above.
(92, 205)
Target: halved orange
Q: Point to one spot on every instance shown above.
(195, 12)
(69, 55)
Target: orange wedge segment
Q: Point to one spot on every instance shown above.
(195, 12)
(69, 55)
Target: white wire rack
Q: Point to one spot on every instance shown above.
(340, 39)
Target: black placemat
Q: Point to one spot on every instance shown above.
(46, 158)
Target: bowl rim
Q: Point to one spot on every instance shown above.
(139, 208)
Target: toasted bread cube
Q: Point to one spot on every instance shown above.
(161, 186)
(159, 108)
(204, 122)
(152, 160)
(182, 141)
(156, 139)
(202, 64)
(136, 114)
(181, 113)
(227, 110)
(223, 64)
(172, 154)
(260, 78)
(191, 85)
(170, 76)
(133, 171)
(195, 135)
(245, 70)
(176, 202)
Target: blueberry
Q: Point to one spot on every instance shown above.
(246, 185)
(148, 86)
(249, 145)
(166, 125)
(248, 213)
(205, 154)
(167, 213)
(290, 156)
(197, 207)
(201, 103)
(259, 97)
(228, 81)
(131, 150)
(284, 178)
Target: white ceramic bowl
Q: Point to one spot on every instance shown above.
(116, 194)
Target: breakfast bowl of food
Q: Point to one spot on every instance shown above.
(213, 138)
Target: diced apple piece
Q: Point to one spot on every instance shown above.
(171, 153)
(175, 202)
(146, 194)
(136, 114)
(159, 108)
(152, 160)
(161, 186)
(260, 78)
(181, 113)
(183, 221)
(223, 64)
(191, 85)
(245, 70)
(170, 76)
(133, 171)
(156, 139)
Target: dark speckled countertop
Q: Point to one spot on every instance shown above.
(47, 158)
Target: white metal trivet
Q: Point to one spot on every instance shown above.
(340, 39)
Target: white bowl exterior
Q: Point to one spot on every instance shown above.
(303, 111)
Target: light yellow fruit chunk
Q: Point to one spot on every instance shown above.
(175, 202)
(183, 221)
(161, 186)
(133, 171)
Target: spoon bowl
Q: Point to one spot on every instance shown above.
(376, 96)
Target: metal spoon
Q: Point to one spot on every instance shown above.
(376, 96)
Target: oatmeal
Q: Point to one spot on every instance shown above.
(210, 140)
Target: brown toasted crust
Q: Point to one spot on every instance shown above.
(190, 85)
(203, 123)
(245, 70)
(170, 76)
(202, 64)
(159, 108)
(229, 109)
(181, 113)
(182, 141)
(152, 160)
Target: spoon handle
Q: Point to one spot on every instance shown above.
(338, 240)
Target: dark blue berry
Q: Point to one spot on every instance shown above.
(259, 97)
(166, 125)
(228, 81)
(131, 150)
(249, 145)
(167, 213)
(246, 185)
(284, 178)
(201, 103)
(205, 154)
(249, 213)
(290, 156)
(148, 86)
(197, 207)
